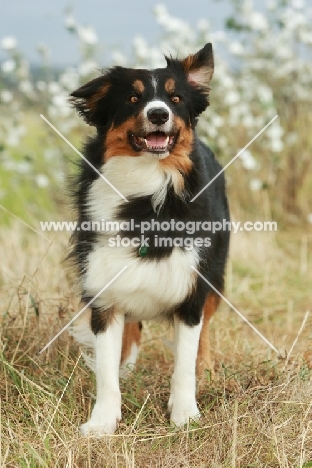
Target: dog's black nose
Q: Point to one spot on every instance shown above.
(158, 115)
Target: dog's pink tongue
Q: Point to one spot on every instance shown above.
(156, 139)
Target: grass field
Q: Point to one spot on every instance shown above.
(255, 413)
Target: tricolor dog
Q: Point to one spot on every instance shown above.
(146, 148)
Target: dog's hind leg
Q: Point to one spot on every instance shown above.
(130, 347)
(204, 360)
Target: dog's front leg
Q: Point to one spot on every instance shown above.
(182, 402)
(107, 409)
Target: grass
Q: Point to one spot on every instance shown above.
(255, 413)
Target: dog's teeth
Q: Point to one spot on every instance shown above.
(154, 147)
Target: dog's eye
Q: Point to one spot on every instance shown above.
(133, 98)
(176, 99)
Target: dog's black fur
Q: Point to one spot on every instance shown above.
(113, 108)
(146, 144)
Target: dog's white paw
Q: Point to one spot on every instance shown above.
(181, 411)
(103, 421)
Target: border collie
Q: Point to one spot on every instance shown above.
(146, 148)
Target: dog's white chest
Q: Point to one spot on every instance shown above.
(146, 289)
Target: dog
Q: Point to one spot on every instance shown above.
(146, 148)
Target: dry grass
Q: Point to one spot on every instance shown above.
(256, 413)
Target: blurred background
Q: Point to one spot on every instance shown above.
(263, 64)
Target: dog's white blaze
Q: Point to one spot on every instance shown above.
(107, 409)
(156, 104)
(154, 83)
(182, 403)
(145, 289)
(167, 126)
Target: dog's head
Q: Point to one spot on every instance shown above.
(148, 112)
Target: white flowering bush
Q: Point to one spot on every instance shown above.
(262, 68)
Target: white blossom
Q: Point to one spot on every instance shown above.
(255, 185)
(160, 10)
(277, 145)
(119, 58)
(218, 36)
(23, 167)
(8, 43)
(54, 87)
(87, 67)
(309, 218)
(60, 100)
(306, 37)
(236, 48)
(203, 24)
(265, 93)
(223, 142)
(248, 120)
(8, 66)
(248, 161)
(70, 22)
(271, 5)
(51, 153)
(297, 4)
(231, 98)
(141, 47)
(246, 7)
(60, 106)
(275, 131)
(293, 19)
(42, 181)
(156, 58)
(218, 120)
(69, 79)
(212, 131)
(6, 96)
(41, 85)
(26, 87)
(257, 21)
(14, 134)
(87, 35)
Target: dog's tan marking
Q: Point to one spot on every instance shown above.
(131, 335)
(93, 100)
(117, 143)
(179, 161)
(170, 86)
(204, 360)
(139, 86)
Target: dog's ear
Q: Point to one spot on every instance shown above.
(88, 99)
(198, 69)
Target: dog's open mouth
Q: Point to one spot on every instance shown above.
(154, 142)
